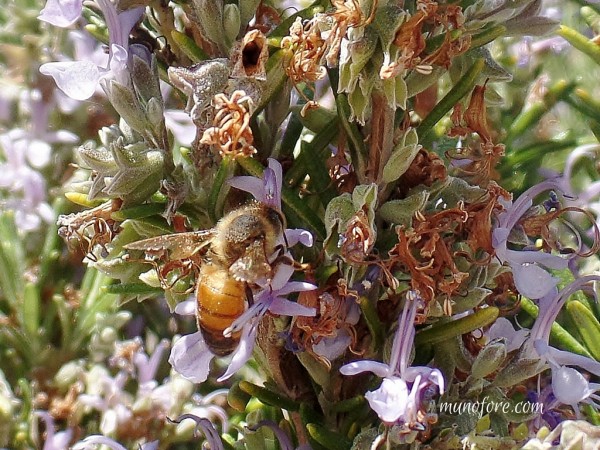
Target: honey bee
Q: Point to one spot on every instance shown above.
(241, 250)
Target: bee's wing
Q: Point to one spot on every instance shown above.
(252, 265)
(179, 245)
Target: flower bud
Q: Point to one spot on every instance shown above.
(69, 374)
(140, 172)
(517, 371)
(126, 104)
(154, 112)
(489, 359)
(231, 22)
(108, 335)
(402, 156)
(144, 73)
(210, 19)
(355, 57)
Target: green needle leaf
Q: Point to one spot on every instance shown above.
(587, 326)
(580, 42)
(327, 438)
(449, 330)
(558, 334)
(269, 397)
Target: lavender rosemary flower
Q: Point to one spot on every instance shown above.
(398, 400)
(531, 279)
(79, 79)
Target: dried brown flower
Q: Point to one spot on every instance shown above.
(231, 133)
(425, 169)
(485, 156)
(347, 14)
(341, 172)
(332, 317)
(358, 239)
(479, 225)
(425, 252)
(410, 39)
(90, 230)
(306, 48)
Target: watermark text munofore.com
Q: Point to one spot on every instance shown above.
(487, 406)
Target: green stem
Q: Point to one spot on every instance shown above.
(460, 89)
(217, 193)
(528, 117)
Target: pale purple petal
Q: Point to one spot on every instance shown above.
(46, 212)
(243, 352)
(116, 32)
(61, 13)
(295, 286)
(92, 441)
(210, 433)
(405, 335)
(255, 311)
(181, 125)
(126, 20)
(509, 218)
(499, 237)
(530, 256)
(378, 368)
(118, 64)
(272, 178)
(147, 367)
(266, 189)
(77, 79)
(38, 153)
(282, 276)
(54, 441)
(252, 185)
(390, 400)
(186, 307)
(564, 358)
(212, 411)
(333, 347)
(191, 357)
(295, 235)
(61, 137)
(426, 374)
(502, 328)
(27, 220)
(61, 440)
(532, 281)
(284, 307)
(569, 386)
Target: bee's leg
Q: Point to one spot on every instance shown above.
(249, 295)
(288, 260)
